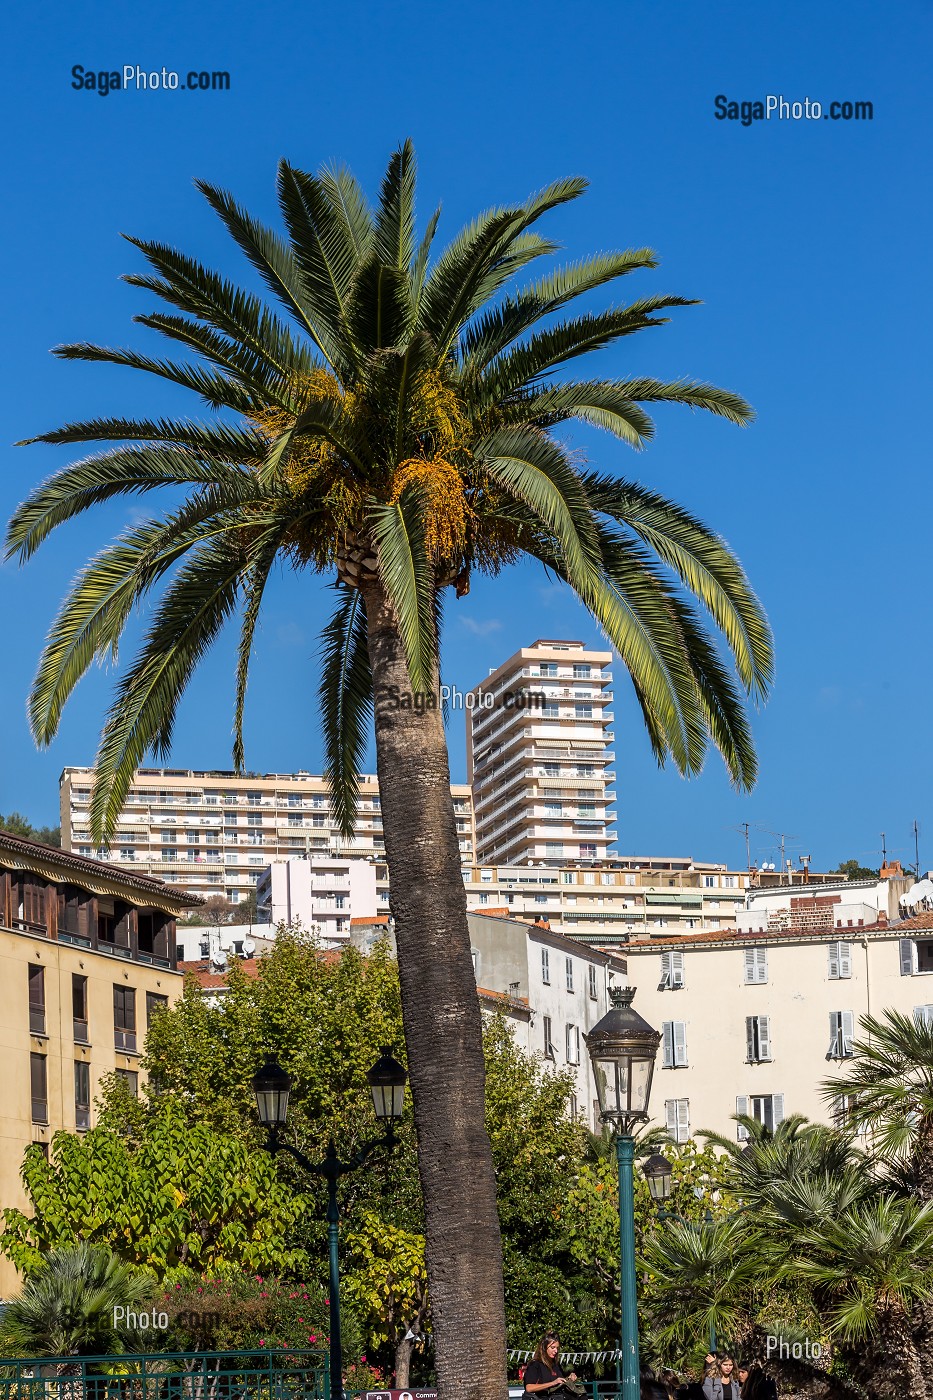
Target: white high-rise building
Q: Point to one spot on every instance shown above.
(214, 833)
(322, 893)
(539, 743)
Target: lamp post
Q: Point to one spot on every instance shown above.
(271, 1087)
(622, 1049)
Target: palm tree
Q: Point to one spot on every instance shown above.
(394, 433)
(67, 1306)
(889, 1089)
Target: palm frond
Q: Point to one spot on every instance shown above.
(394, 233)
(346, 704)
(217, 390)
(263, 551)
(408, 578)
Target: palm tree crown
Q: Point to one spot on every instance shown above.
(399, 422)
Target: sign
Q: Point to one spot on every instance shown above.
(400, 1395)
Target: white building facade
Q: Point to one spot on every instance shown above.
(539, 755)
(754, 1022)
(322, 893)
(214, 833)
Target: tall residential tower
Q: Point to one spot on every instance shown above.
(539, 755)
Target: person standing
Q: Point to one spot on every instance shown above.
(755, 1384)
(544, 1374)
(722, 1383)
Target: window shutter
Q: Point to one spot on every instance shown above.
(677, 968)
(750, 1038)
(834, 959)
(908, 957)
(683, 1120)
(764, 1037)
(680, 1042)
(666, 970)
(667, 1058)
(749, 964)
(761, 964)
(670, 1117)
(741, 1108)
(833, 1034)
(923, 1015)
(845, 959)
(848, 1031)
(777, 1106)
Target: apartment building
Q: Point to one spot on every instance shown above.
(214, 833)
(754, 1020)
(612, 901)
(539, 755)
(87, 956)
(322, 893)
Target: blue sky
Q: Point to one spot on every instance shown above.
(806, 240)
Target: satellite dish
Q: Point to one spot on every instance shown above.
(219, 959)
(249, 947)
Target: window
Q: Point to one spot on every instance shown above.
(484, 898)
(37, 1000)
(675, 1044)
(729, 881)
(586, 809)
(39, 1088)
(548, 668)
(553, 849)
(581, 671)
(79, 1007)
(82, 1095)
(550, 710)
(592, 981)
(923, 1015)
(545, 966)
(130, 1079)
(916, 956)
(583, 711)
(840, 960)
(551, 770)
(568, 974)
(756, 964)
(630, 880)
(709, 882)
(758, 1039)
(154, 1002)
(677, 1118)
(124, 1017)
(254, 819)
(540, 899)
(587, 852)
(553, 809)
(573, 1045)
(548, 1042)
(767, 1109)
(841, 1031)
(169, 853)
(672, 968)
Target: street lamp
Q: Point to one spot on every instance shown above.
(271, 1087)
(622, 1049)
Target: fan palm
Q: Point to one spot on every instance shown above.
(395, 431)
(68, 1305)
(889, 1084)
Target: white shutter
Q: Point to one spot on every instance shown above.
(750, 1039)
(667, 1057)
(834, 960)
(845, 959)
(677, 968)
(683, 1120)
(670, 1117)
(777, 1108)
(666, 970)
(741, 1107)
(923, 1015)
(761, 964)
(908, 957)
(833, 1050)
(764, 1037)
(749, 964)
(848, 1032)
(680, 1042)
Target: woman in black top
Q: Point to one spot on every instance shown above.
(544, 1374)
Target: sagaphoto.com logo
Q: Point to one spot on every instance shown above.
(131, 77)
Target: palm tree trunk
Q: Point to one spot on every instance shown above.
(443, 1027)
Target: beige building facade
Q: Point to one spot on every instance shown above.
(754, 1021)
(539, 755)
(87, 957)
(214, 833)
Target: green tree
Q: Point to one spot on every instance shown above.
(387, 1281)
(18, 825)
(397, 433)
(164, 1194)
(67, 1305)
(853, 870)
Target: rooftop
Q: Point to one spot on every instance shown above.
(16, 853)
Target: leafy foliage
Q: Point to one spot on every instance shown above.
(67, 1305)
(18, 825)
